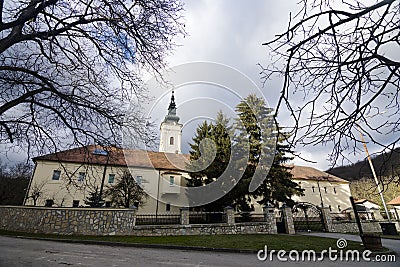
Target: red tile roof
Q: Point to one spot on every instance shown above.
(395, 201)
(119, 157)
(309, 173)
(157, 160)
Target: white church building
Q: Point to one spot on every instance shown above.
(65, 179)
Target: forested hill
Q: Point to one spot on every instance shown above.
(386, 164)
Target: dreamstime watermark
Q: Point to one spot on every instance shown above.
(331, 254)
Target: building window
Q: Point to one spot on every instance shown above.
(56, 175)
(326, 190)
(171, 140)
(339, 209)
(334, 190)
(75, 203)
(81, 176)
(171, 180)
(168, 207)
(111, 178)
(49, 203)
(108, 204)
(139, 180)
(313, 189)
(330, 208)
(136, 204)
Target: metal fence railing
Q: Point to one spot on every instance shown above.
(341, 217)
(241, 217)
(207, 217)
(152, 219)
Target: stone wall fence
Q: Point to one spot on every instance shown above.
(107, 221)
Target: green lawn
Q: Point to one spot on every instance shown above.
(251, 241)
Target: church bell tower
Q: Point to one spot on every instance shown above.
(171, 130)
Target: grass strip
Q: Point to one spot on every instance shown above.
(242, 241)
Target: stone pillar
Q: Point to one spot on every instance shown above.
(269, 217)
(288, 220)
(326, 216)
(134, 212)
(377, 215)
(184, 216)
(230, 215)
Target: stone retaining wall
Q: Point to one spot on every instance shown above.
(203, 229)
(351, 227)
(89, 221)
(67, 221)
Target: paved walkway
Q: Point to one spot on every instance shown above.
(389, 243)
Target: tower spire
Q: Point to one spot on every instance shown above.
(171, 116)
(172, 105)
(171, 130)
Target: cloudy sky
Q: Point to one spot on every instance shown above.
(229, 33)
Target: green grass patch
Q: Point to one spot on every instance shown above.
(391, 236)
(245, 241)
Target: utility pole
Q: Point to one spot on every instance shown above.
(373, 173)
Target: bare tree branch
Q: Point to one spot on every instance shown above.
(339, 61)
(69, 69)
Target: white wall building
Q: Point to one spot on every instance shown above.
(66, 178)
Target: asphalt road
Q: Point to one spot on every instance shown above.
(28, 252)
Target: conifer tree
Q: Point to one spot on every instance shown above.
(211, 157)
(278, 185)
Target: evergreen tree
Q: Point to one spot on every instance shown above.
(210, 155)
(255, 148)
(253, 144)
(278, 185)
(272, 184)
(94, 200)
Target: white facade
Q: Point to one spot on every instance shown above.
(170, 137)
(69, 187)
(329, 194)
(67, 178)
(171, 130)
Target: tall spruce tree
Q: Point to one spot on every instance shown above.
(278, 185)
(210, 157)
(268, 153)
(254, 147)
(254, 132)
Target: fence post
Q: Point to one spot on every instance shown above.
(184, 216)
(377, 215)
(288, 219)
(134, 212)
(269, 217)
(326, 216)
(230, 215)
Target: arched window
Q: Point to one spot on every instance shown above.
(171, 140)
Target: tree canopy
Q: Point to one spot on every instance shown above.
(251, 144)
(69, 69)
(340, 58)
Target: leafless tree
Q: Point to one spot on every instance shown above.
(126, 192)
(36, 192)
(69, 68)
(340, 58)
